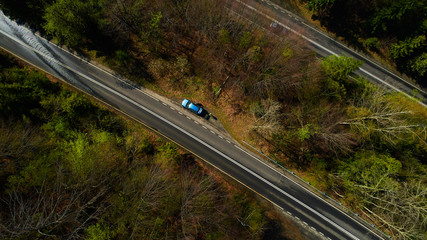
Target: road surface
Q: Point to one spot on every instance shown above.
(170, 120)
(264, 13)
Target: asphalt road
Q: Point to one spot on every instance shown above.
(179, 125)
(266, 12)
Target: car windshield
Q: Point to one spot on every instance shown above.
(185, 103)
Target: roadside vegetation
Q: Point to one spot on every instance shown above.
(360, 143)
(392, 30)
(71, 169)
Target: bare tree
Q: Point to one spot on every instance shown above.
(269, 120)
(48, 208)
(203, 204)
(128, 17)
(400, 208)
(374, 113)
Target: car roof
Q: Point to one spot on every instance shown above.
(194, 107)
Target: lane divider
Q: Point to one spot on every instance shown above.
(198, 140)
(323, 48)
(147, 126)
(344, 46)
(220, 153)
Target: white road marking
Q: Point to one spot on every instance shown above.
(197, 139)
(293, 182)
(149, 95)
(180, 113)
(326, 49)
(164, 103)
(349, 49)
(172, 108)
(228, 141)
(99, 68)
(212, 132)
(204, 127)
(196, 122)
(220, 136)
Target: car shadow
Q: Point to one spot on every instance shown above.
(207, 115)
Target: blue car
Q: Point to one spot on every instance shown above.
(187, 104)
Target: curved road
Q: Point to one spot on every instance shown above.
(173, 122)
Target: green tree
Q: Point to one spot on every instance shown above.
(246, 40)
(78, 157)
(410, 56)
(401, 18)
(152, 34)
(339, 67)
(224, 36)
(372, 43)
(382, 22)
(254, 54)
(29, 11)
(71, 21)
(400, 206)
(337, 70)
(370, 170)
(306, 132)
(287, 52)
(98, 232)
(123, 57)
(155, 24)
(408, 47)
(317, 5)
(137, 144)
(419, 64)
(167, 154)
(21, 90)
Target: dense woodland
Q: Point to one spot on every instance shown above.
(395, 30)
(71, 169)
(362, 144)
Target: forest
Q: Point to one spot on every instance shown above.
(72, 169)
(360, 143)
(392, 30)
